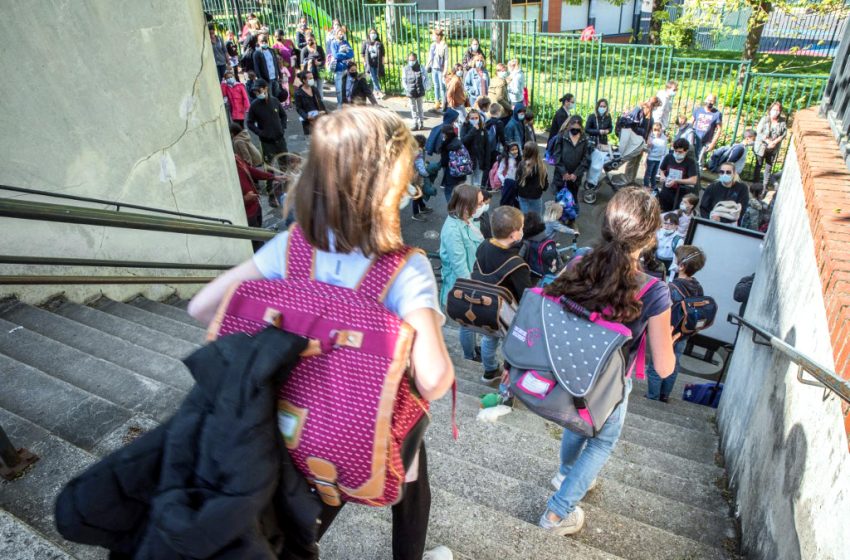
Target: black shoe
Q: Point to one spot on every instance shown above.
(426, 210)
(417, 218)
(476, 357)
(664, 398)
(492, 377)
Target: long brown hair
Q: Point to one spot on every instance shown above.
(358, 167)
(532, 163)
(607, 277)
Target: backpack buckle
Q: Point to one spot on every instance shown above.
(351, 339)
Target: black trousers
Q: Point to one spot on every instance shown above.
(410, 521)
(418, 205)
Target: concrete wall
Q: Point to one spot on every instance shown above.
(785, 448)
(114, 100)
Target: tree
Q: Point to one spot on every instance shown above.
(389, 17)
(499, 32)
(659, 16)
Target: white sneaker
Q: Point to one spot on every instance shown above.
(558, 479)
(570, 525)
(439, 553)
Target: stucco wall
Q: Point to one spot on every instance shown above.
(784, 446)
(114, 100)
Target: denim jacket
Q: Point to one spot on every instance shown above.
(459, 242)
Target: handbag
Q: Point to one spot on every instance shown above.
(481, 303)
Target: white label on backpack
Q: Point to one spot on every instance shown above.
(519, 334)
(534, 385)
(287, 423)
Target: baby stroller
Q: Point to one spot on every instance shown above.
(604, 161)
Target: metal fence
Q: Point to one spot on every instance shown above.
(554, 64)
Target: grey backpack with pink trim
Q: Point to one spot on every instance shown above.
(567, 364)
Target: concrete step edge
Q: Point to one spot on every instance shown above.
(145, 318)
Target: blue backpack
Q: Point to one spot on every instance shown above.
(565, 199)
(690, 313)
(706, 394)
(460, 164)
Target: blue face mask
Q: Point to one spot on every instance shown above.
(601, 110)
(261, 96)
(725, 179)
(231, 81)
(521, 116)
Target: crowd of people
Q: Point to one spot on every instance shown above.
(486, 146)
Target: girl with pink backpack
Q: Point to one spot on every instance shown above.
(347, 238)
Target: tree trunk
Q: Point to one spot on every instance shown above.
(499, 31)
(389, 17)
(755, 27)
(659, 15)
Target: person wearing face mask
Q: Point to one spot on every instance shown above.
(355, 88)
(727, 188)
(413, 79)
(499, 257)
(437, 64)
(677, 175)
(498, 89)
(476, 81)
(301, 33)
(307, 102)
(435, 138)
(668, 239)
(236, 97)
(666, 96)
(482, 222)
(471, 54)
(686, 212)
(515, 129)
(456, 98)
(341, 54)
(572, 152)
(635, 127)
(219, 52)
(474, 137)
(449, 142)
(708, 126)
(330, 36)
(267, 64)
(770, 133)
(459, 241)
(374, 57)
(685, 131)
(597, 127)
(267, 119)
(568, 102)
(506, 172)
(516, 83)
(313, 61)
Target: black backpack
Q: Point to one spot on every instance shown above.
(542, 257)
(690, 314)
(480, 303)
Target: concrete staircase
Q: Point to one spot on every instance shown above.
(80, 380)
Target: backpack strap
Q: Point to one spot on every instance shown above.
(300, 256)
(500, 274)
(382, 273)
(639, 365)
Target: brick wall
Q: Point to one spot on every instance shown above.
(826, 184)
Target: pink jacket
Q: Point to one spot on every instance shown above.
(237, 98)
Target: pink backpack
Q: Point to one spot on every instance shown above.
(349, 414)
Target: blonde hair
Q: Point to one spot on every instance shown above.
(552, 211)
(338, 193)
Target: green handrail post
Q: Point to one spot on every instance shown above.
(598, 67)
(744, 90)
(531, 81)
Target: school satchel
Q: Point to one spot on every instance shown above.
(690, 314)
(460, 163)
(349, 414)
(567, 364)
(480, 303)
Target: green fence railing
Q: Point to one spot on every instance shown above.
(554, 64)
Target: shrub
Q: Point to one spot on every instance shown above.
(677, 35)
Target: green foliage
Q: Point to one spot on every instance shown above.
(677, 34)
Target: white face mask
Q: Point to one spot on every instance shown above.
(685, 208)
(459, 73)
(502, 74)
(671, 92)
(480, 211)
(474, 48)
(311, 82)
(473, 122)
(678, 157)
(774, 113)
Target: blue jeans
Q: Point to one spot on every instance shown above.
(649, 177)
(527, 205)
(439, 85)
(582, 458)
(467, 342)
(490, 352)
(338, 84)
(376, 83)
(658, 387)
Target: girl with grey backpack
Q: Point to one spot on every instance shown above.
(575, 343)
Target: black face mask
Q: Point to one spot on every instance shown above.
(575, 131)
(352, 72)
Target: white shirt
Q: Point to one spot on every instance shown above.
(414, 288)
(662, 113)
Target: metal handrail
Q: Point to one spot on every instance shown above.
(826, 378)
(47, 212)
(118, 205)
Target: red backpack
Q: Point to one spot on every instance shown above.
(350, 414)
(495, 183)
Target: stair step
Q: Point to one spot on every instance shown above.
(673, 527)
(100, 344)
(111, 382)
(124, 434)
(128, 330)
(30, 498)
(346, 537)
(502, 442)
(170, 311)
(59, 407)
(172, 327)
(19, 541)
(689, 444)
